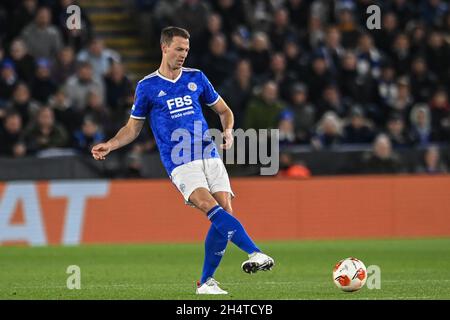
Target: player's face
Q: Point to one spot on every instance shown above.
(176, 52)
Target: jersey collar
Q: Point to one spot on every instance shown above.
(174, 80)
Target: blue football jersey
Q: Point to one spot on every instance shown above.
(174, 111)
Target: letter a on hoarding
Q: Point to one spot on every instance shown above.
(32, 229)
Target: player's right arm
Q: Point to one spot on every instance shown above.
(126, 134)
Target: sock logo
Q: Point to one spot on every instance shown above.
(220, 253)
(230, 234)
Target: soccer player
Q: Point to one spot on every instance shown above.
(172, 98)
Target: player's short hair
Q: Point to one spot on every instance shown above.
(168, 33)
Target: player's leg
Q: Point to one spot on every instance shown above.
(257, 261)
(225, 223)
(188, 178)
(215, 242)
(220, 187)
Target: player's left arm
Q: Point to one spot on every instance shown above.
(227, 120)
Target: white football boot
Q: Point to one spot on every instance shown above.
(258, 261)
(211, 286)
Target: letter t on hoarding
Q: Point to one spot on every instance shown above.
(77, 194)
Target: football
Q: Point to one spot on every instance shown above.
(350, 274)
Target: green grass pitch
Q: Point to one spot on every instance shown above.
(410, 269)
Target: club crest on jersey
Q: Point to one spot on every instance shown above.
(192, 86)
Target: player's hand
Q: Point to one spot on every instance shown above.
(100, 151)
(228, 137)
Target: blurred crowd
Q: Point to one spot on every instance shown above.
(310, 68)
(314, 70)
(60, 89)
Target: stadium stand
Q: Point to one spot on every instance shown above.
(310, 68)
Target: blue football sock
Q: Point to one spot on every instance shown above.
(231, 228)
(215, 244)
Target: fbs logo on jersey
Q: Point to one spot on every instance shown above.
(179, 102)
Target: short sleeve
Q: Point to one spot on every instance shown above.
(141, 106)
(209, 94)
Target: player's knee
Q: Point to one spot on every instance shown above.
(206, 204)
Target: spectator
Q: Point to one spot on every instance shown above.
(387, 86)
(8, 81)
(329, 132)
(231, 12)
(299, 11)
(315, 35)
(286, 128)
(88, 136)
(423, 81)
(348, 27)
(358, 130)
(354, 87)
(440, 114)
(421, 132)
(45, 132)
(318, 78)
(259, 54)
(213, 27)
(218, 63)
(237, 91)
(42, 39)
(277, 72)
(281, 30)
(24, 62)
(418, 35)
(22, 16)
(332, 50)
(437, 53)
(98, 112)
(331, 101)
(433, 12)
(264, 109)
(22, 103)
(369, 57)
(117, 86)
(64, 66)
(10, 143)
(385, 37)
(431, 162)
(382, 160)
(404, 11)
(65, 113)
(259, 14)
(78, 86)
(402, 101)
(99, 57)
(401, 54)
(303, 113)
(43, 86)
(296, 60)
(397, 132)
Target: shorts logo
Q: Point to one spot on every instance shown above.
(182, 187)
(192, 86)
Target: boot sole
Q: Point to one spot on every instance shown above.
(253, 267)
